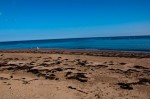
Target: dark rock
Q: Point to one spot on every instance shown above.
(68, 73)
(77, 60)
(129, 71)
(9, 58)
(56, 78)
(13, 64)
(25, 82)
(58, 62)
(3, 64)
(19, 68)
(66, 59)
(82, 63)
(55, 70)
(70, 68)
(58, 69)
(44, 64)
(2, 78)
(32, 63)
(78, 76)
(34, 71)
(51, 77)
(143, 81)
(23, 78)
(140, 67)
(123, 63)
(10, 68)
(125, 86)
(11, 76)
(8, 84)
(71, 87)
(46, 61)
(147, 72)
(101, 66)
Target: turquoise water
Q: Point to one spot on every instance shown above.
(134, 43)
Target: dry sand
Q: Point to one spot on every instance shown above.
(70, 76)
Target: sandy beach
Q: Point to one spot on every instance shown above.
(70, 74)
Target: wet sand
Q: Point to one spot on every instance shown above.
(70, 74)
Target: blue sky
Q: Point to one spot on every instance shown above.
(50, 19)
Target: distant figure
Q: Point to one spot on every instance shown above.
(37, 48)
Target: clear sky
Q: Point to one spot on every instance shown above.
(50, 19)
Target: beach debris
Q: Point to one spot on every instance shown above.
(77, 89)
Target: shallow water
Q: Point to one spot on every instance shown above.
(134, 43)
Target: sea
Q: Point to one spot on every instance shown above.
(122, 43)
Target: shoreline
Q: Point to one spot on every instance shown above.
(98, 50)
(101, 53)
